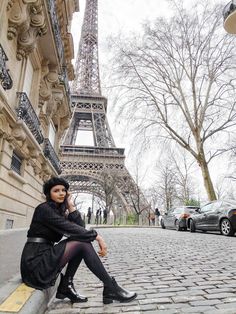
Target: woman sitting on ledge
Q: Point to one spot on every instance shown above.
(43, 256)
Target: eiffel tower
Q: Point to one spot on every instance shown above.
(99, 169)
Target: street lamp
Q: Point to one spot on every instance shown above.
(93, 185)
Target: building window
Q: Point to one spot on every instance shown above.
(9, 224)
(16, 163)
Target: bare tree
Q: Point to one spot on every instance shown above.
(178, 83)
(134, 194)
(108, 183)
(183, 178)
(166, 185)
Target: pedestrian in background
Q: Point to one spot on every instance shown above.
(151, 218)
(105, 216)
(89, 215)
(45, 253)
(98, 216)
(157, 214)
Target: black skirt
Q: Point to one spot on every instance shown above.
(40, 264)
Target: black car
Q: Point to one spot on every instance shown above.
(217, 215)
(176, 218)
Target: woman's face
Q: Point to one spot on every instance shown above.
(58, 193)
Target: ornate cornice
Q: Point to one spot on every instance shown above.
(26, 21)
(49, 78)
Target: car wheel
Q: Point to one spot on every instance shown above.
(162, 224)
(192, 227)
(177, 227)
(226, 228)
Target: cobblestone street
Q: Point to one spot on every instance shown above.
(172, 272)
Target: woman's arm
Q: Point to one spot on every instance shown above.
(53, 220)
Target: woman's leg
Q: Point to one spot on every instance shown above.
(75, 251)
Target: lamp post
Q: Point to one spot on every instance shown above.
(93, 185)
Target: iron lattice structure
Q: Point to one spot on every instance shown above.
(87, 80)
(97, 169)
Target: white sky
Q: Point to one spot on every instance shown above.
(116, 16)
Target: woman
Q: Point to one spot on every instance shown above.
(45, 254)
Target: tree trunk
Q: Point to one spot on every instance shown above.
(207, 178)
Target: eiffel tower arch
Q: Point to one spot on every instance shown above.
(98, 169)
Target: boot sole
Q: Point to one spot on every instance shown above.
(109, 300)
(62, 296)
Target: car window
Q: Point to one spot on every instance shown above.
(192, 210)
(216, 205)
(211, 207)
(170, 211)
(178, 210)
(207, 208)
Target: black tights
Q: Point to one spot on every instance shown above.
(74, 252)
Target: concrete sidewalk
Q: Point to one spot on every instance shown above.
(16, 297)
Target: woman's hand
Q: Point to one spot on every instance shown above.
(102, 245)
(70, 203)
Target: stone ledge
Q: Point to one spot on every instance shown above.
(37, 302)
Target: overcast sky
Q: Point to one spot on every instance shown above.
(115, 16)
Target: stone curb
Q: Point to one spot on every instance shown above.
(37, 303)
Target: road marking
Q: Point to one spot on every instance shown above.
(16, 299)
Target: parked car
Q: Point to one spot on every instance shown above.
(176, 218)
(218, 215)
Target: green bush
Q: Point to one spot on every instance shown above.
(192, 202)
(132, 219)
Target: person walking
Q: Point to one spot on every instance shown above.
(89, 215)
(45, 253)
(157, 214)
(98, 216)
(104, 216)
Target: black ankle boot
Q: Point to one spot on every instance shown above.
(115, 292)
(66, 289)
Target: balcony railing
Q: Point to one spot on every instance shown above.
(60, 47)
(50, 153)
(25, 111)
(63, 77)
(229, 8)
(5, 77)
(56, 29)
(90, 150)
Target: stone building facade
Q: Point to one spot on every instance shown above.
(36, 49)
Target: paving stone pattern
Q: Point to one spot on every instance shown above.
(172, 272)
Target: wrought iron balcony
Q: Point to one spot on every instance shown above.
(25, 111)
(50, 153)
(229, 14)
(56, 29)
(90, 150)
(5, 77)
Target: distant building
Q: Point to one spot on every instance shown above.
(36, 50)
